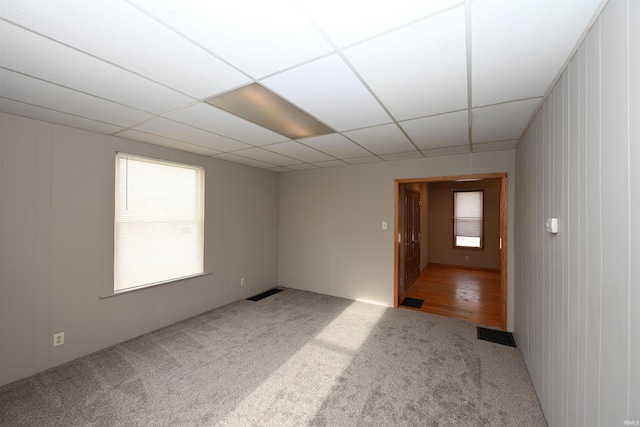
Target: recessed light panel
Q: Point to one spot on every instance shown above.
(263, 107)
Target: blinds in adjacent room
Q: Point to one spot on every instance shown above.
(468, 218)
(159, 221)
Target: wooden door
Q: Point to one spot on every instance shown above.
(411, 237)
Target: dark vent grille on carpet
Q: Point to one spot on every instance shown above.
(264, 294)
(495, 336)
(413, 302)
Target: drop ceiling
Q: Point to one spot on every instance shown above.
(392, 80)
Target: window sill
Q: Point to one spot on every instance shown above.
(151, 285)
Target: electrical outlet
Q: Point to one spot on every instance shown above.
(242, 282)
(58, 339)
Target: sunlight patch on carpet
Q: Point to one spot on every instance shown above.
(312, 372)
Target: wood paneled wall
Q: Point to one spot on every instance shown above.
(56, 245)
(577, 309)
(331, 240)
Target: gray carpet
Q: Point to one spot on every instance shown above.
(295, 358)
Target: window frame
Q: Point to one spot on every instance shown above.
(453, 222)
(198, 221)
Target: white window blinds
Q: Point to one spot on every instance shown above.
(159, 221)
(468, 218)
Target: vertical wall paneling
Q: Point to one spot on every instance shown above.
(2, 274)
(565, 250)
(634, 209)
(249, 262)
(56, 245)
(98, 212)
(581, 104)
(17, 246)
(615, 211)
(556, 250)
(573, 229)
(546, 266)
(580, 161)
(594, 233)
(42, 335)
(62, 234)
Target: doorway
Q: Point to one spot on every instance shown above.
(411, 240)
(402, 204)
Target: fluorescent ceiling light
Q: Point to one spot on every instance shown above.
(263, 107)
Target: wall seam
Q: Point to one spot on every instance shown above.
(600, 219)
(629, 213)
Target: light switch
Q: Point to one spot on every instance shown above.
(384, 225)
(552, 225)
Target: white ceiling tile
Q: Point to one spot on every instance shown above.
(138, 68)
(419, 70)
(37, 92)
(208, 117)
(182, 132)
(363, 160)
(446, 151)
(519, 47)
(254, 36)
(331, 164)
(443, 130)
(266, 156)
(503, 121)
(335, 145)
(385, 139)
(39, 113)
(245, 161)
(403, 156)
(328, 90)
(166, 142)
(122, 35)
(347, 22)
(26, 52)
(495, 146)
(298, 151)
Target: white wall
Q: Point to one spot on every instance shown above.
(331, 239)
(56, 245)
(577, 312)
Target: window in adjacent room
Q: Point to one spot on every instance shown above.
(159, 221)
(468, 221)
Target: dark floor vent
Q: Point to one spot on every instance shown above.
(495, 336)
(413, 302)
(264, 294)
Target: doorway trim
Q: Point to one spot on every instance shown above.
(503, 232)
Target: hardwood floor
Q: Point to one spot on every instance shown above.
(472, 295)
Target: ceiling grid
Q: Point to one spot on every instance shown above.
(392, 80)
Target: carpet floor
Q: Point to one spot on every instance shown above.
(295, 358)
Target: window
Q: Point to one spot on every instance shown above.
(468, 221)
(159, 221)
